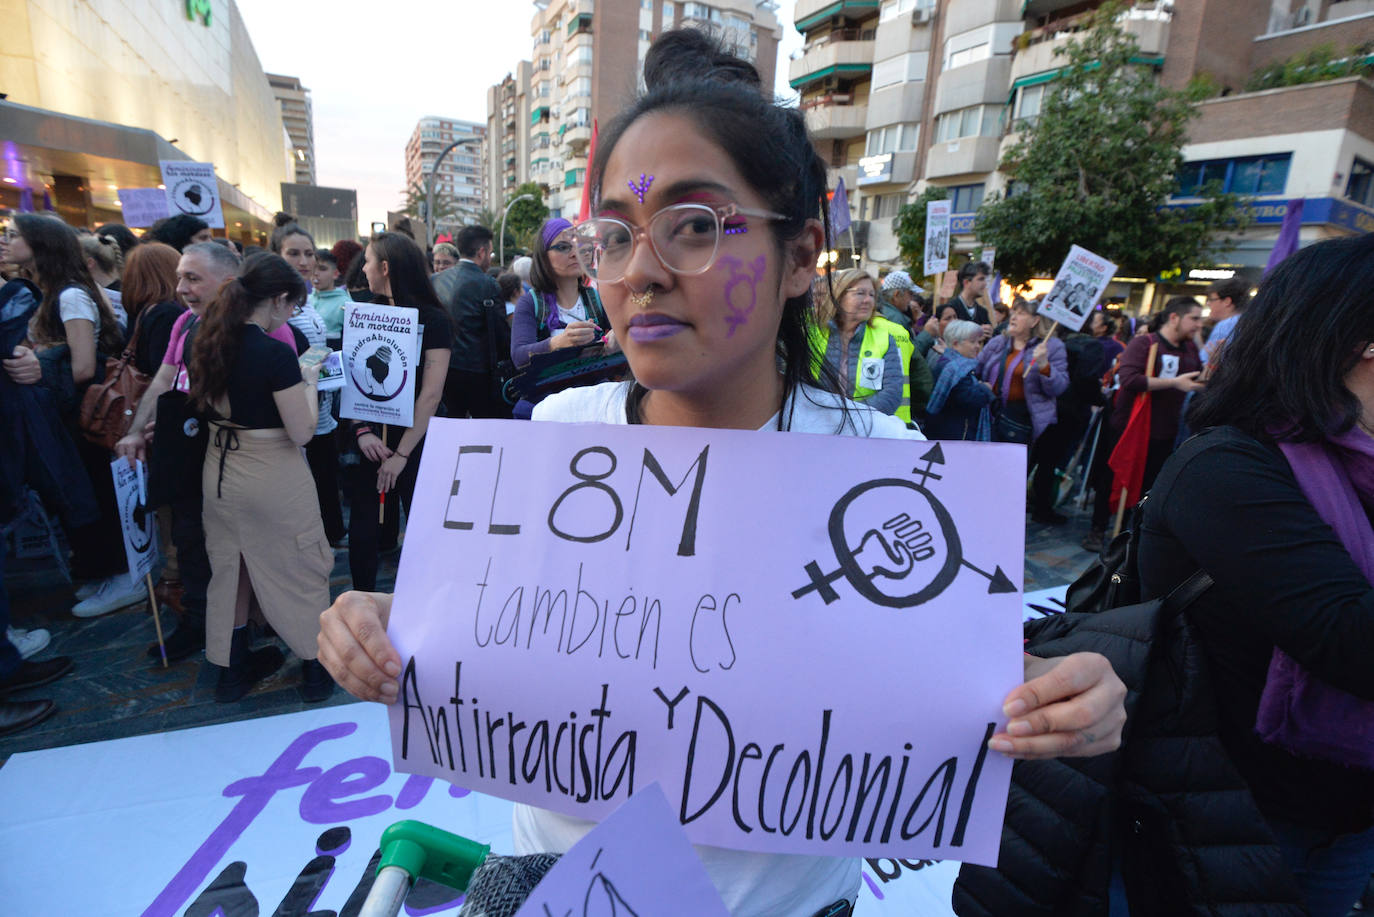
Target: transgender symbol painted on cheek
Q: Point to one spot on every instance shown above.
(735, 299)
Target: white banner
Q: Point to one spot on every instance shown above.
(381, 346)
(191, 188)
(137, 522)
(1077, 287)
(142, 207)
(937, 237)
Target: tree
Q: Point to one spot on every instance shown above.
(446, 208)
(525, 217)
(1097, 167)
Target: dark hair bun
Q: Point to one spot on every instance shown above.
(690, 54)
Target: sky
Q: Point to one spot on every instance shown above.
(372, 76)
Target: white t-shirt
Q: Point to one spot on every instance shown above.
(751, 884)
(74, 303)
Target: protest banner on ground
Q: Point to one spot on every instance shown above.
(137, 522)
(191, 188)
(634, 862)
(381, 346)
(673, 600)
(1077, 287)
(937, 237)
(142, 207)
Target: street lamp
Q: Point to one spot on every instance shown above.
(501, 253)
(429, 187)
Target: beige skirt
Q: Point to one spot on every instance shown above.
(261, 511)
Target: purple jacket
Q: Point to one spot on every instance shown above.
(1041, 390)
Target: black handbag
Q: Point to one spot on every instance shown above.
(180, 437)
(1005, 428)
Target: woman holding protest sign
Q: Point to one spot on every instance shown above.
(396, 274)
(1273, 501)
(725, 190)
(559, 310)
(262, 521)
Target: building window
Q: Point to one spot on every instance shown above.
(968, 55)
(891, 9)
(974, 121)
(1028, 102)
(668, 12)
(895, 138)
(1242, 175)
(643, 34)
(1360, 188)
(904, 68)
(966, 198)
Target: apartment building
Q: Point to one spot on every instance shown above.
(459, 175)
(586, 66)
(298, 119)
(506, 151)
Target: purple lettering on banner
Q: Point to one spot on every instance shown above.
(413, 791)
(319, 802)
(739, 312)
(257, 792)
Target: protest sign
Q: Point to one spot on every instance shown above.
(632, 863)
(136, 520)
(937, 237)
(142, 207)
(987, 256)
(380, 355)
(582, 609)
(1077, 287)
(191, 188)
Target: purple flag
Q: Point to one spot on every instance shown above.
(26, 201)
(1287, 242)
(47, 201)
(995, 288)
(839, 210)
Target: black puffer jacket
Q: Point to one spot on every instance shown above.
(1191, 840)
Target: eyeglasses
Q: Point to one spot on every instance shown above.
(561, 247)
(685, 237)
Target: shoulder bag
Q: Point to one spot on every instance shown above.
(107, 407)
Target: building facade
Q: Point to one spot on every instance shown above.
(96, 94)
(298, 118)
(459, 177)
(506, 152)
(586, 66)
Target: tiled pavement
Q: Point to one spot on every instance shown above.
(114, 691)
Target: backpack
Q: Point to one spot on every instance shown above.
(108, 405)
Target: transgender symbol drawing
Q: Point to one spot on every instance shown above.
(895, 543)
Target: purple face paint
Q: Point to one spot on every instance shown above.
(741, 290)
(642, 188)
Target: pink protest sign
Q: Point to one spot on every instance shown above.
(634, 862)
(804, 639)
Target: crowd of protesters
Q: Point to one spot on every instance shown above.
(258, 480)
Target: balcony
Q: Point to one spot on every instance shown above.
(581, 24)
(1036, 49)
(577, 136)
(811, 13)
(539, 114)
(966, 156)
(850, 55)
(835, 116)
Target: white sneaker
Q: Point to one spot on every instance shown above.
(28, 642)
(86, 590)
(115, 593)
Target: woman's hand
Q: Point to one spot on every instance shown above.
(1069, 706)
(1040, 355)
(354, 648)
(372, 446)
(577, 334)
(23, 367)
(311, 374)
(610, 343)
(389, 471)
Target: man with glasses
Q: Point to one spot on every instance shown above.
(1226, 299)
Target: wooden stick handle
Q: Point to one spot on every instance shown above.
(1120, 513)
(157, 618)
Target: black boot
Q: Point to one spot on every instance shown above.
(187, 640)
(246, 667)
(316, 685)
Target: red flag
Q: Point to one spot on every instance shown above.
(586, 209)
(1127, 460)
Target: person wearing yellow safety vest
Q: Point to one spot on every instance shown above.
(872, 367)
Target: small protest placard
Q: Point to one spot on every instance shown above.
(136, 520)
(1077, 287)
(584, 609)
(142, 207)
(937, 237)
(634, 862)
(381, 345)
(988, 256)
(331, 373)
(191, 188)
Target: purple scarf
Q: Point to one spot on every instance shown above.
(1298, 711)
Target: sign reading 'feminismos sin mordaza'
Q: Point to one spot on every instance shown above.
(806, 640)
